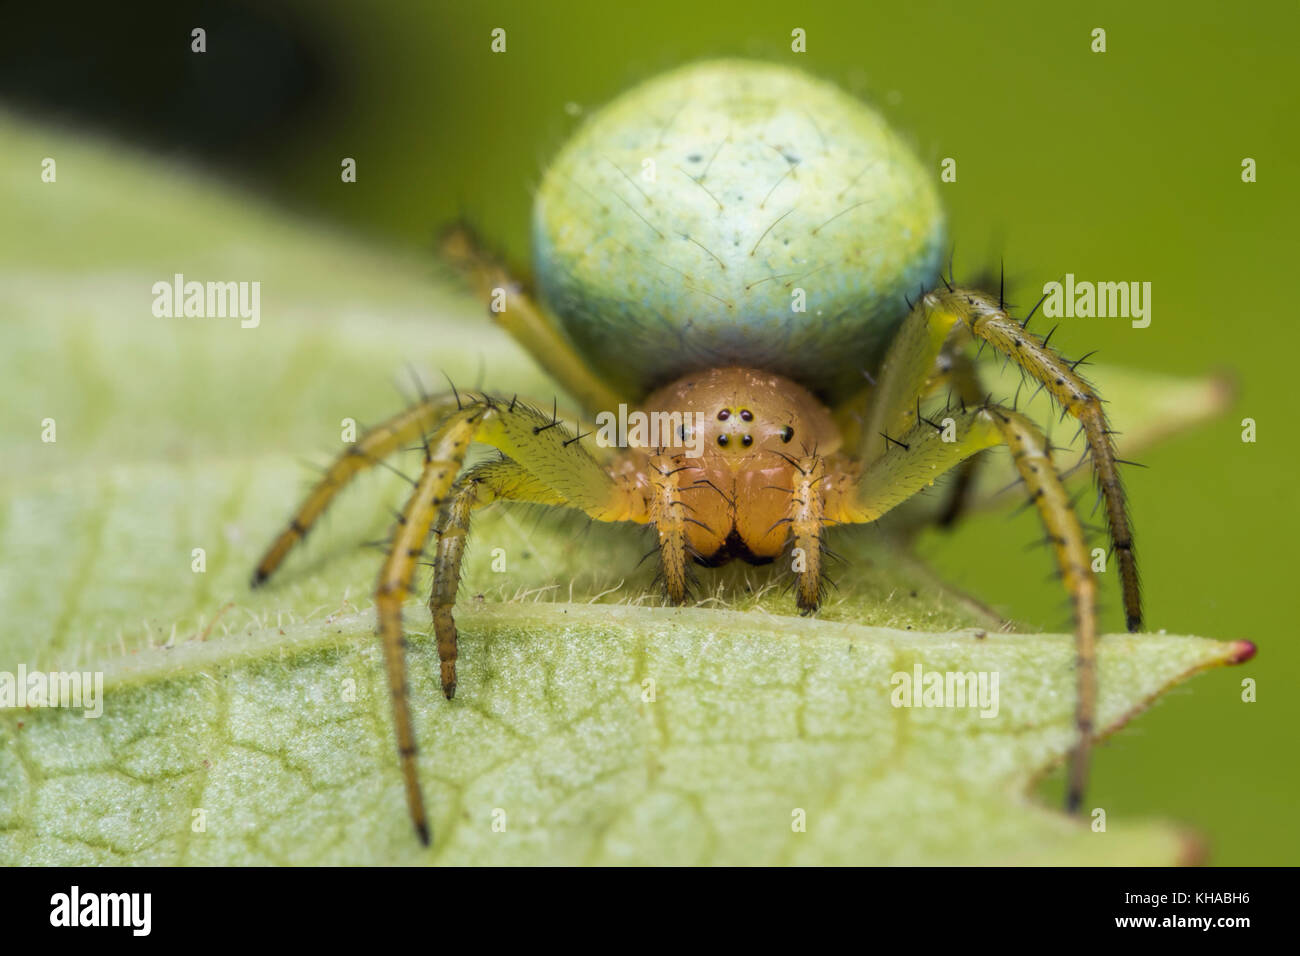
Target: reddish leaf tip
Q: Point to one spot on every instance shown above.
(1242, 651)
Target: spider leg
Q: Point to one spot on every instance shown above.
(371, 449)
(672, 479)
(441, 462)
(549, 465)
(913, 461)
(491, 481)
(806, 528)
(907, 367)
(962, 377)
(669, 515)
(527, 321)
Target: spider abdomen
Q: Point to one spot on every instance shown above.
(734, 213)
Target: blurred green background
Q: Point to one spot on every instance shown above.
(1117, 166)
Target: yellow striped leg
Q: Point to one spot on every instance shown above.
(908, 366)
(920, 455)
(806, 527)
(442, 463)
(491, 481)
(552, 458)
(669, 515)
(527, 321)
(958, 372)
(373, 447)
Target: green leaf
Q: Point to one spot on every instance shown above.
(268, 713)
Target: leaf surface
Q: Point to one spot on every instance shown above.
(264, 716)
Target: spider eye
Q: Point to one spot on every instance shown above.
(786, 434)
(747, 440)
(724, 414)
(746, 415)
(722, 440)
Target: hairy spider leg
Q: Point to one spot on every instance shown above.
(957, 370)
(924, 334)
(670, 478)
(920, 454)
(443, 455)
(501, 480)
(807, 522)
(907, 367)
(544, 464)
(529, 322)
(371, 449)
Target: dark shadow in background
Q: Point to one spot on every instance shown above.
(128, 69)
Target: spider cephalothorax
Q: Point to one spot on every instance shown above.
(735, 495)
(730, 250)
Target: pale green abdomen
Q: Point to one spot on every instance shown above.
(687, 223)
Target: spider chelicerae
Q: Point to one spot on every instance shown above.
(750, 256)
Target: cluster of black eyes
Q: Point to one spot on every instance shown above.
(747, 416)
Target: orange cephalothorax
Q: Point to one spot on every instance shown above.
(736, 468)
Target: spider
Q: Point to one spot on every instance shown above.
(751, 256)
